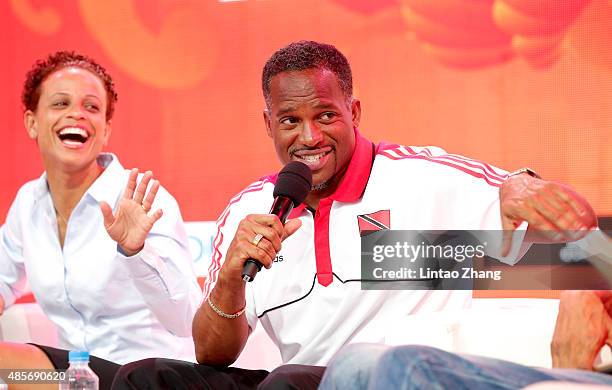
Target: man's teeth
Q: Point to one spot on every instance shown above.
(73, 130)
(312, 158)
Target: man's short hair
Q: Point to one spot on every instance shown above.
(304, 55)
(59, 60)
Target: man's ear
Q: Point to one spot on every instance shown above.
(267, 119)
(30, 124)
(356, 112)
(107, 132)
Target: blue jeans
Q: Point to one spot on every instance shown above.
(375, 366)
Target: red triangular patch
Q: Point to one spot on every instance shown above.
(380, 220)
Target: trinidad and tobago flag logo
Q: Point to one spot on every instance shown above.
(369, 223)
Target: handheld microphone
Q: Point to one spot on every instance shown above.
(292, 186)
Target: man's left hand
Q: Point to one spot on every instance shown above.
(554, 211)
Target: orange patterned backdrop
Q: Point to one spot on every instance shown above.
(513, 82)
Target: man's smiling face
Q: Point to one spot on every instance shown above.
(312, 121)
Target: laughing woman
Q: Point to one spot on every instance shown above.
(113, 274)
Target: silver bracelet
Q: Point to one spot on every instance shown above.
(528, 171)
(221, 312)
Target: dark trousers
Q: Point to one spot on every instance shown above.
(158, 374)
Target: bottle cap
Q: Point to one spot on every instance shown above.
(78, 356)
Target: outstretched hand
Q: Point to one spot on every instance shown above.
(132, 222)
(554, 211)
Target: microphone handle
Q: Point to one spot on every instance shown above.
(281, 207)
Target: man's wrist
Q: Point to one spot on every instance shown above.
(229, 295)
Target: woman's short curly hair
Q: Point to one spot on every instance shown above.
(60, 60)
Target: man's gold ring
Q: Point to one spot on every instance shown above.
(256, 239)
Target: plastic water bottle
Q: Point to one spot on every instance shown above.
(78, 375)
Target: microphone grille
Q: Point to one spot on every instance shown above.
(294, 182)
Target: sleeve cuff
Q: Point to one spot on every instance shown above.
(144, 263)
(518, 247)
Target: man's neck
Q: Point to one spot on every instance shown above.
(314, 197)
(327, 190)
